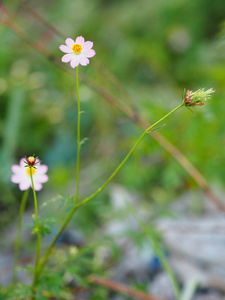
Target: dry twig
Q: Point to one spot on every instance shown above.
(122, 288)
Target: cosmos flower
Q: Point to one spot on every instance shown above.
(78, 51)
(22, 175)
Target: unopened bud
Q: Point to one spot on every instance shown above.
(31, 161)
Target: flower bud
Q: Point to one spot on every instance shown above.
(31, 161)
(197, 98)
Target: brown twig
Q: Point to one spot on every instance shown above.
(40, 18)
(122, 288)
(131, 113)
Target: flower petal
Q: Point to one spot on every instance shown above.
(17, 169)
(24, 185)
(42, 169)
(41, 178)
(75, 61)
(89, 53)
(16, 178)
(67, 57)
(37, 186)
(84, 61)
(69, 42)
(23, 162)
(80, 40)
(65, 49)
(87, 45)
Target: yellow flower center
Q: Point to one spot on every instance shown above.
(77, 48)
(33, 170)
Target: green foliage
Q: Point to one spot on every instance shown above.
(67, 272)
(20, 292)
(61, 201)
(154, 237)
(45, 225)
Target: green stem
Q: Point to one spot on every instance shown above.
(38, 235)
(126, 158)
(159, 252)
(18, 237)
(78, 138)
(151, 233)
(48, 251)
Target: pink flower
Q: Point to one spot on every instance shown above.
(77, 51)
(22, 175)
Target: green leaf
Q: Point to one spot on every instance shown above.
(189, 289)
(45, 226)
(83, 141)
(81, 281)
(157, 128)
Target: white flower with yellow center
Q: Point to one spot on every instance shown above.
(78, 51)
(22, 175)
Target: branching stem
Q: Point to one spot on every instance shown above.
(48, 251)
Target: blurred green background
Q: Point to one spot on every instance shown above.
(147, 52)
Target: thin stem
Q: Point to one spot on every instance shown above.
(151, 233)
(159, 252)
(78, 138)
(18, 237)
(38, 234)
(48, 251)
(126, 158)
